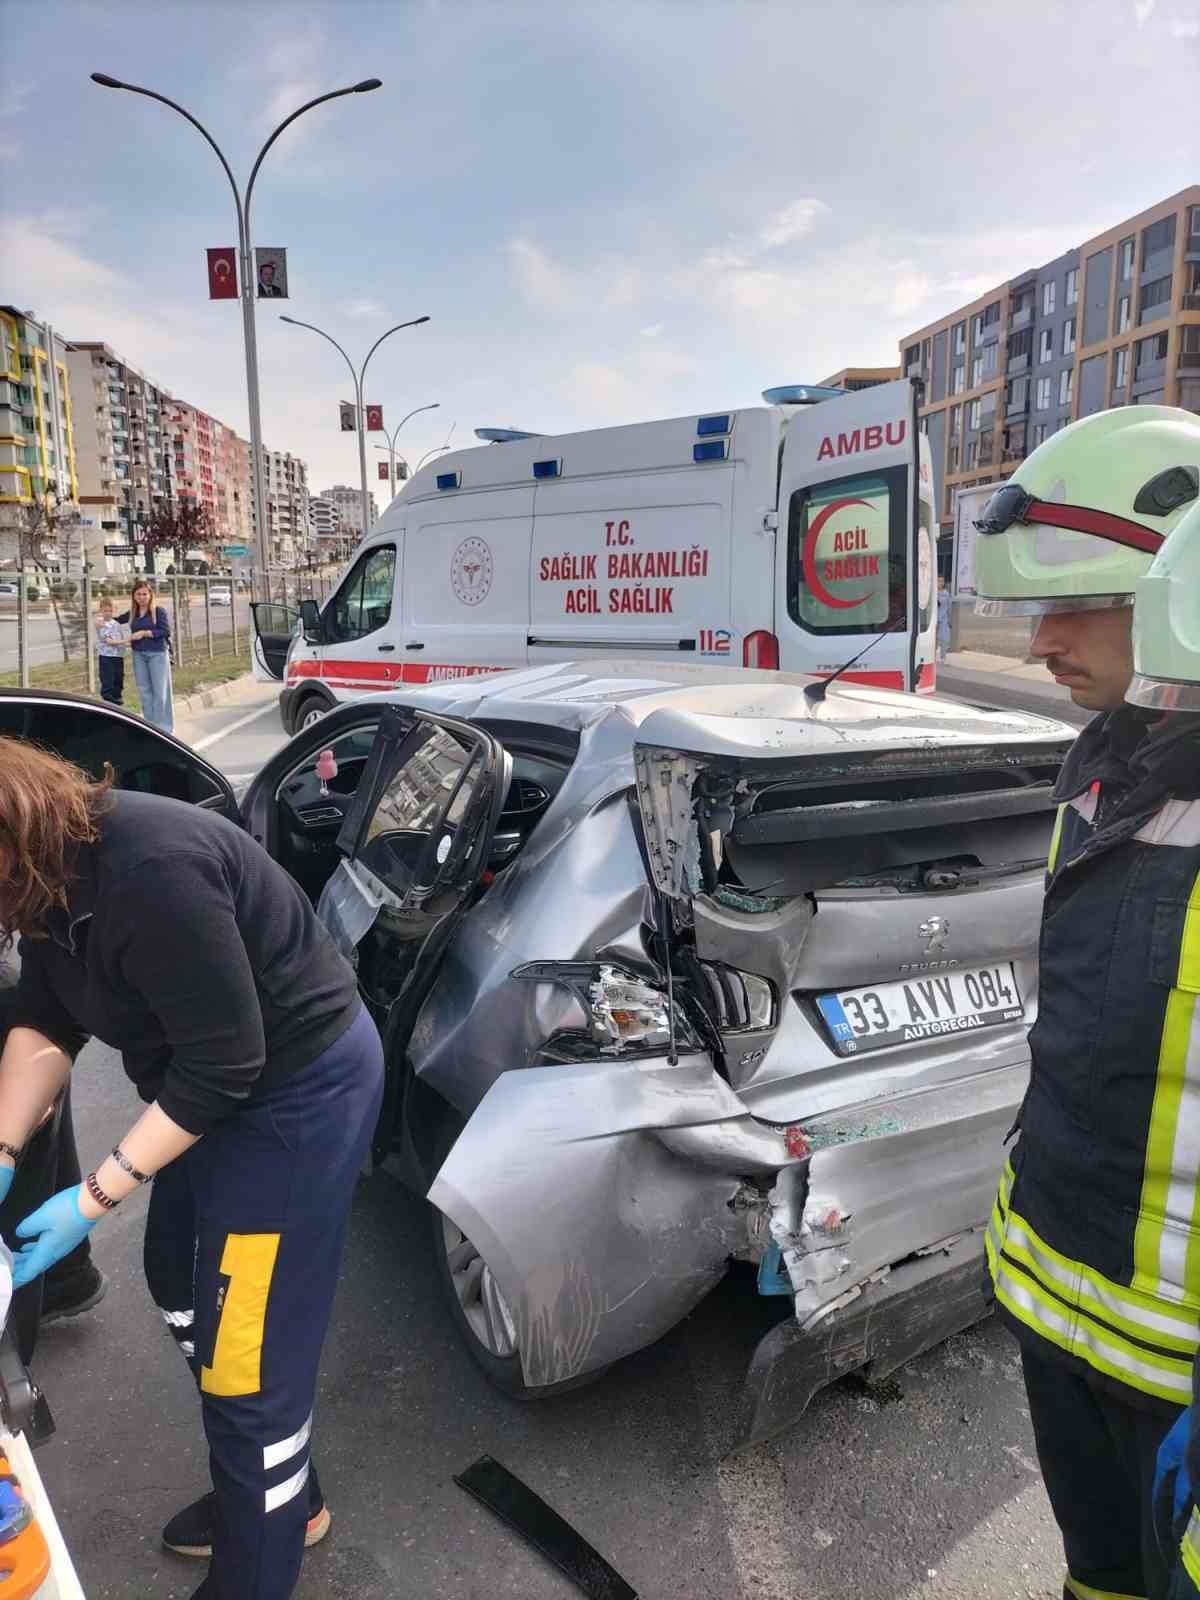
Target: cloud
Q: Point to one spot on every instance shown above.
(792, 223)
(553, 286)
(362, 310)
(15, 98)
(1184, 27)
(1143, 10)
(653, 331)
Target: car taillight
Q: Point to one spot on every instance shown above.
(761, 649)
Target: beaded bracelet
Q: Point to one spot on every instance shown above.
(98, 1194)
(126, 1165)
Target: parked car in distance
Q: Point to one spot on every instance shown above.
(220, 595)
(8, 590)
(675, 966)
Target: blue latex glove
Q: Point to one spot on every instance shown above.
(1173, 1492)
(53, 1231)
(7, 1174)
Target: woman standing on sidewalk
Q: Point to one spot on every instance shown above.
(241, 1026)
(150, 636)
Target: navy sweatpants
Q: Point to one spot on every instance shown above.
(243, 1245)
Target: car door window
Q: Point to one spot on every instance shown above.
(363, 604)
(418, 821)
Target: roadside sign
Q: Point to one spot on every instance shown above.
(236, 549)
(118, 549)
(968, 503)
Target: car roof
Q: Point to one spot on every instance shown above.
(576, 695)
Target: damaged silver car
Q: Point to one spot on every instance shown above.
(675, 966)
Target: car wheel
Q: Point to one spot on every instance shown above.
(481, 1313)
(309, 712)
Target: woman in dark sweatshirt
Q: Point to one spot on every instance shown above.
(165, 931)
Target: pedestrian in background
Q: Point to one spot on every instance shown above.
(1094, 1242)
(167, 932)
(150, 637)
(110, 649)
(943, 620)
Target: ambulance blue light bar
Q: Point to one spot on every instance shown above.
(449, 480)
(714, 424)
(547, 469)
(710, 450)
(502, 435)
(801, 394)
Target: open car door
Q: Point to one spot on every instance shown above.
(274, 629)
(92, 734)
(415, 844)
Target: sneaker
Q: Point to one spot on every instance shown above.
(190, 1532)
(74, 1296)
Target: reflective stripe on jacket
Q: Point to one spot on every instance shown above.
(1094, 1243)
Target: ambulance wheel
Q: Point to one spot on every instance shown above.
(310, 710)
(479, 1310)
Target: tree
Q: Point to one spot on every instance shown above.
(42, 532)
(176, 526)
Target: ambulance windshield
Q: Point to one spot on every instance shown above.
(846, 554)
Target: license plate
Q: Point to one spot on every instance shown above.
(921, 1008)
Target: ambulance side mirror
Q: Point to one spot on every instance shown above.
(310, 622)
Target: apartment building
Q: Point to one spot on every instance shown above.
(212, 467)
(854, 378)
(323, 517)
(37, 422)
(1115, 321)
(349, 505)
(122, 448)
(286, 479)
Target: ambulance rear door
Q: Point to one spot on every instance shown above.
(631, 544)
(850, 570)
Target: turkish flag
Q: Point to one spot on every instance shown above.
(374, 419)
(222, 274)
(383, 470)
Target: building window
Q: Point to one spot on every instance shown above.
(1158, 236)
(1066, 385)
(960, 336)
(1126, 259)
(1049, 295)
(1046, 345)
(1017, 397)
(989, 360)
(976, 371)
(955, 421)
(1155, 299)
(1151, 349)
(912, 359)
(959, 380)
(1069, 338)
(1072, 286)
(987, 319)
(1121, 368)
(1194, 221)
(973, 415)
(1124, 313)
(1038, 435)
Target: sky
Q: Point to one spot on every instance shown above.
(610, 210)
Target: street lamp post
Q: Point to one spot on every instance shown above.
(359, 379)
(390, 446)
(438, 449)
(248, 281)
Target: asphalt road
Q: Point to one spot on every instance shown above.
(926, 1491)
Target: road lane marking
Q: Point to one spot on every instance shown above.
(224, 733)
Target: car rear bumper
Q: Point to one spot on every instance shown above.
(874, 1330)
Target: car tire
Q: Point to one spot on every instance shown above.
(476, 1305)
(310, 710)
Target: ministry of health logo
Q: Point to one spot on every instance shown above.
(471, 572)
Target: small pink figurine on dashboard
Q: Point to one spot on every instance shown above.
(327, 768)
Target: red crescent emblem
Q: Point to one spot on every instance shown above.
(809, 557)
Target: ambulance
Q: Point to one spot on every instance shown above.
(796, 535)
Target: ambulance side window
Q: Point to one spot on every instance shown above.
(847, 562)
(363, 604)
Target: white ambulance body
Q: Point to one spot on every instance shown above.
(791, 535)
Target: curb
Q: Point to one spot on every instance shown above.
(204, 699)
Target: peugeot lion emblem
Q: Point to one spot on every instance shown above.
(934, 930)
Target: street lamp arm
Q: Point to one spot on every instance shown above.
(431, 407)
(416, 322)
(334, 94)
(437, 450)
(152, 94)
(296, 323)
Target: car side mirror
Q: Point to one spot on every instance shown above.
(310, 621)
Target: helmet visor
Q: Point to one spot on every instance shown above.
(1158, 695)
(1046, 606)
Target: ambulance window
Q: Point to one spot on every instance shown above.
(363, 604)
(847, 553)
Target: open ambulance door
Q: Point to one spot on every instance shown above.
(274, 628)
(854, 557)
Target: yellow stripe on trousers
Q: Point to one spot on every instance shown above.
(1166, 1244)
(1084, 1591)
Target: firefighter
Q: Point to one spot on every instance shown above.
(1093, 1246)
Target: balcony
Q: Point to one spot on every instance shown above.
(1191, 301)
(1020, 319)
(1018, 364)
(1189, 359)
